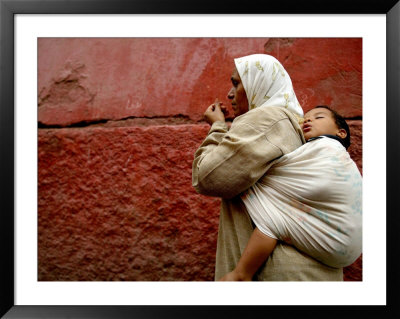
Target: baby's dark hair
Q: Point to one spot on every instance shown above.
(340, 122)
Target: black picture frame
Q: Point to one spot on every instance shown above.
(8, 10)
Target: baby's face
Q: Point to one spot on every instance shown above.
(317, 122)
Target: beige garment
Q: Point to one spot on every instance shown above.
(229, 162)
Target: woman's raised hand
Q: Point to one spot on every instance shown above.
(215, 112)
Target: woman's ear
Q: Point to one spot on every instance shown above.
(341, 133)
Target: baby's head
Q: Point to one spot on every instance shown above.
(323, 120)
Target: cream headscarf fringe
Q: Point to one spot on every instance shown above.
(267, 83)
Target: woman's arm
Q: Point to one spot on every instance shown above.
(229, 162)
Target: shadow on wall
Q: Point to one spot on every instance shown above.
(119, 122)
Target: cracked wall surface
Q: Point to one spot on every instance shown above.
(119, 121)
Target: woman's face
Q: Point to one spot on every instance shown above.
(237, 95)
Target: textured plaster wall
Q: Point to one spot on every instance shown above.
(119, 122)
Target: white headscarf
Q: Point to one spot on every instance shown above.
(267, 83)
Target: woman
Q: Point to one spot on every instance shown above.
(266, 126)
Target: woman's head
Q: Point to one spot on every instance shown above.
(259, 80)
(323, 120)
(237, 95)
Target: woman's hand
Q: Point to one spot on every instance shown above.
(215, 112)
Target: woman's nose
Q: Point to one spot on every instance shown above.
(231, 94)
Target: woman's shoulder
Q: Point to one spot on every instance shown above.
(264, 115)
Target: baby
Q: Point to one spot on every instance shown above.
(310, 198)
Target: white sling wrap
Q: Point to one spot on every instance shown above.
(312, 199)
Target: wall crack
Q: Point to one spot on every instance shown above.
(178, 119)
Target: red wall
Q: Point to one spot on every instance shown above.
(119, 122)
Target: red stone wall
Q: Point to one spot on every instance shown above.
(119, 122)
